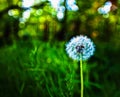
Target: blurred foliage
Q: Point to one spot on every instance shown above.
(33, 60)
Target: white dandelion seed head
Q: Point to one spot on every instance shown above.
(80, 45)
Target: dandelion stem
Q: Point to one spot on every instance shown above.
(81, 76)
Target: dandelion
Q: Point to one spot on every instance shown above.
(80, 48)
(80, 45)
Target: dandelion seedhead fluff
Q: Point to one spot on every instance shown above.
(80, 48)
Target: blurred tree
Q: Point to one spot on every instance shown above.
(61, 34)
(11, 21)
(11, 29)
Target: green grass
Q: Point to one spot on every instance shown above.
(37, 69)
(43, 69)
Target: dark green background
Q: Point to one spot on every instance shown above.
(33, 60)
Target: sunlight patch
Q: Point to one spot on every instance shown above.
(27, 3)
(106, 8)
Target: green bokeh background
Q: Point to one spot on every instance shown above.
(33, 60)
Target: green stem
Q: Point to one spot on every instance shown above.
(81, 75)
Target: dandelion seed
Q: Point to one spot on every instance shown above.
(80, 45)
